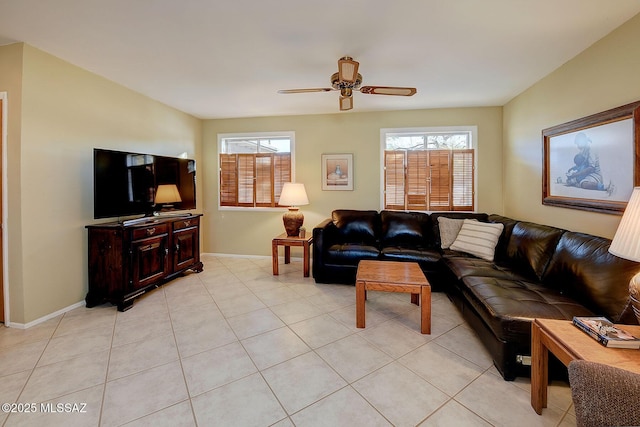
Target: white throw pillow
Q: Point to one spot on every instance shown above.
(478, 238)
(449, 229)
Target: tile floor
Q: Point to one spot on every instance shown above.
(235, 346)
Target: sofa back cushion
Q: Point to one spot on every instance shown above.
(405, 229)
(531, 246)
(357, 226)
(503, 243)
(583, 268)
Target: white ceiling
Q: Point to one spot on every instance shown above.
(227, 58)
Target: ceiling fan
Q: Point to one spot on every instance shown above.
(347, 79)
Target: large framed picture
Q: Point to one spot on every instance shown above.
(593, 163)
(337, 171)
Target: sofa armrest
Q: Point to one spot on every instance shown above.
(321, 237)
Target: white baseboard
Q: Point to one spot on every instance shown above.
(45, 318)
(246, 256)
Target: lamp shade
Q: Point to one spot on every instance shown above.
(293, 194)
(167, 193)
(626, 241)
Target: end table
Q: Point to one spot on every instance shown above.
(287, 242)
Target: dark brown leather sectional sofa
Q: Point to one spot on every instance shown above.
(538, 272)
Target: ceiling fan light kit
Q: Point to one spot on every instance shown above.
(346, 103)
(348, 69)
(347, 79)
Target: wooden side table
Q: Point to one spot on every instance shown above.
(568, 343)
(287, 242)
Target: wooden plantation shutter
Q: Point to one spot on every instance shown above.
(439, 180)
(246, 179)
(394, 180)
(463, 180)
(253, 180)
(417, 185)
(228, 180)
(264, 180)
(281, 173)
(433, 180)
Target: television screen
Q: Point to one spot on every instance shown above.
(133, 183)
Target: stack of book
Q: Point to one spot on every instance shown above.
(606, 333)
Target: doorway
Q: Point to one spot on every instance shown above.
(3, 100)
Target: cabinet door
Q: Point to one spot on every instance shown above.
(150, 261)
(186, 248)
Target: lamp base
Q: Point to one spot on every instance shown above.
(634, 294)
(293, 220)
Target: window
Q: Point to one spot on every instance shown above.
(428, 169)
(253, 168)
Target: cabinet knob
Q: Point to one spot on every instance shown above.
(177, 247)
(150, 231)
(187, 223)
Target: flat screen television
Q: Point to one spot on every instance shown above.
(126, 184)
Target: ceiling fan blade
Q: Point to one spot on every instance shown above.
(317, 89)
(388, 90)
(348, 69)
(346, 103)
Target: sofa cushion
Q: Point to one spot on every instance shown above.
(355, 226)
(503, 243)
(350, 253)
(462, 266)
(531, 247)
(583, 268)
(421, 256)
(404, 229)
(508, 306)
(478, 238)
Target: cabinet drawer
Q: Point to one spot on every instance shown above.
(152, 230)
(186, 223)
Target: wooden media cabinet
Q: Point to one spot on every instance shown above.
(128, 259)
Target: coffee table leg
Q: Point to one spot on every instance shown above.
(414, 299)
(425, 310)
(360, 301)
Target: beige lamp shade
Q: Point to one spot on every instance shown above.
(167, 193)
(626, 242)
(293, 195)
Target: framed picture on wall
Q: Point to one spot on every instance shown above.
(593, 163)
(337, 172)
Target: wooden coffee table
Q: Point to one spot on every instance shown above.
(393, 276)
(568, 343)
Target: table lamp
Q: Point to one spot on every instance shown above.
(166, 194)
(626, 244)
(293, 195)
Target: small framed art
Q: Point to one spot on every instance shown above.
(337, 171)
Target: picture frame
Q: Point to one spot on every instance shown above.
(337, 172)
(593, 163)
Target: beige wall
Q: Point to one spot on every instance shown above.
(66, 112)
(247, 232)
(11, 83)
(605, 76)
